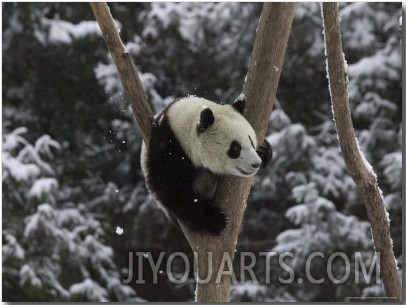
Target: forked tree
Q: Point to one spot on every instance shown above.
(260, 91)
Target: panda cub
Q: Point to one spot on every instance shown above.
(193, 142)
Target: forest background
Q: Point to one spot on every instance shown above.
(74, 198)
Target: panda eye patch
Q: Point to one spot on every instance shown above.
(234, 150)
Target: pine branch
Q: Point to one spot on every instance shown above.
(358, 167)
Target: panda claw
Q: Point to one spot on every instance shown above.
(217, 225)
(210, 220)
(265, 153)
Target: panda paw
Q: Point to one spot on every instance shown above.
(217, 222)
(209, 219)
(264, 151)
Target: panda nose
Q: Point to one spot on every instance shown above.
(256, 165)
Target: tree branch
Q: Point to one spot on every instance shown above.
(142, 110)
(356, 163)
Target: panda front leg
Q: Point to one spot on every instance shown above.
(264, 151)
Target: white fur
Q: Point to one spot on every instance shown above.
(209, 148)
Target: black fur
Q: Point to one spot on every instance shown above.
(206, 120)
(172, 176)
(239, 104)
(264, 151)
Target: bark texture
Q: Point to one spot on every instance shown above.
(260, 90)
(141, 108)
(363, 176)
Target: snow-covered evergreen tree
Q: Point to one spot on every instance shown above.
(50, 252)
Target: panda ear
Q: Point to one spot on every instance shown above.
(206, 120)
(239, 103)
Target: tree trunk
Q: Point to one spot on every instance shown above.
(260, 90)
(358, 167)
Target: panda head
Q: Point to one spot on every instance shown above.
(226, 142)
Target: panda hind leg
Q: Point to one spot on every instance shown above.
(204, 217)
